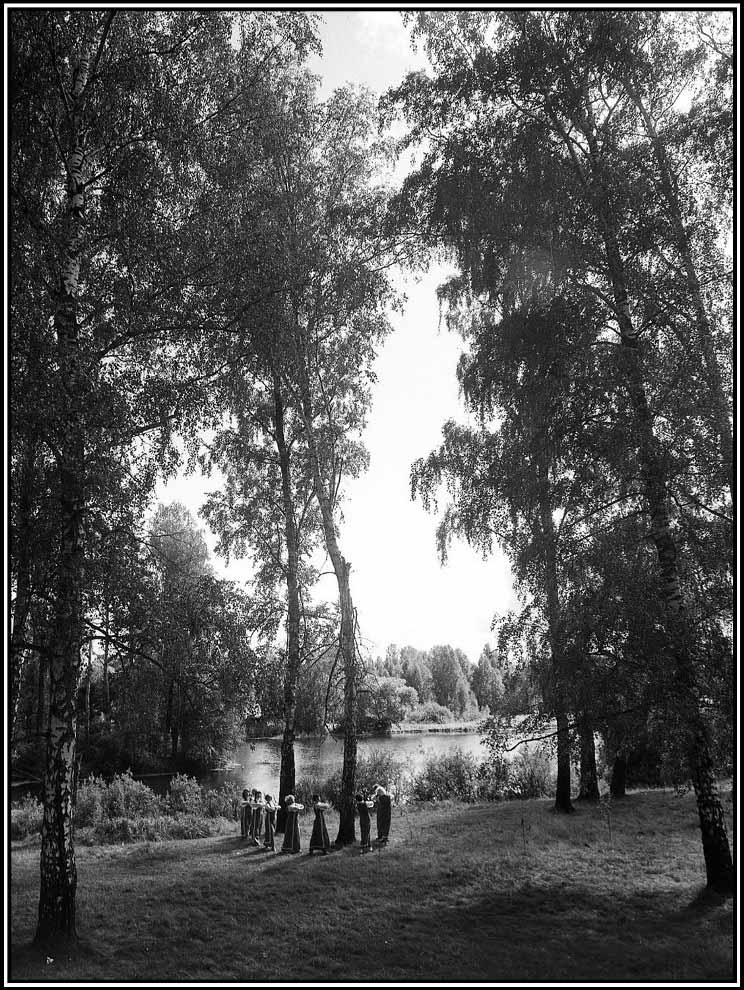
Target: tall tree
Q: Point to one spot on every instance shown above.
(505, 78)
(267, 507)
(107, 109)
(336, 258)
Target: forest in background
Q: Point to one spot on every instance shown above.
(201, 258)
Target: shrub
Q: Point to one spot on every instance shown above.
(528, 775)
(378, 767)
(91, 800)
(430, 711)
(222, 802)
(25, 818)
(329, 788)
(125, 797)
(448, 775)
(154, 829)
(381, 766)
(185, 794)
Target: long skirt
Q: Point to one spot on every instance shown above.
(319, 841)
(245, 815)
(269, 826)
(256, 825)
(291, 842)
(384, 814)
(364, 827)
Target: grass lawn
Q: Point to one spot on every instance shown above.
(502, 893)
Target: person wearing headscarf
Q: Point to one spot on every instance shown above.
(256, 817)
(270, 810)
(384, 813)
(291, 842)
(245, 812)
(363, 809)
(319, 841)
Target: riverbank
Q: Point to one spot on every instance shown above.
(503, 892)
(420, 728)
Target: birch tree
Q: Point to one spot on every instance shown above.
(107, 109)
(336, 257)
(499, 79)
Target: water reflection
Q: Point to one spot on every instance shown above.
(260, 759)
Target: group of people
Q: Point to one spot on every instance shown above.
(258, 820)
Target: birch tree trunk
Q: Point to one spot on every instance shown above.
(58, 868)
(347, 644)
(292, 669)
(22, 605)
(557, 647)
(588, 785)
(106, 688)
(718, 862)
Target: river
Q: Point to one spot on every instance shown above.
(259, 759)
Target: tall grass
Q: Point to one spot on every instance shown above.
(456, 776)
(126, 810)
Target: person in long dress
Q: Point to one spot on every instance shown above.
(291, 842)
(319, 840)
(270, 810)
(384, 814)
(365, 823)
(252, 816)
(257, 818)
(245, 812)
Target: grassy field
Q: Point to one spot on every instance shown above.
(468, 893)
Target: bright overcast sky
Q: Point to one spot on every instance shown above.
(401, 592)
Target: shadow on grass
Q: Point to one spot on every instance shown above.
(59, 950)
(567, 932)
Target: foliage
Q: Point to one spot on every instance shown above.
(430, 711)
(127, 810)
(447, 776)
(385, 701)
(154, 829)
(379, 766)
(573, 200)
(185, 794)
(25, 818)
(442, 675)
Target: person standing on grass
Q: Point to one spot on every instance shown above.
(257, 817)
(245, 809)
(291, 842)
(269, 823)
(363, 807)
(384, 814)
(319, 840)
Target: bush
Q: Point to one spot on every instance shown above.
(154, 829)
(430, 711)
(126, 810)
(379, 767)
(25, 818)
(91, 798)
(528, 775)
(449, 775)
(185, 795)
(383, 767)
(329, 788)
(222, 802)
(125, 797)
